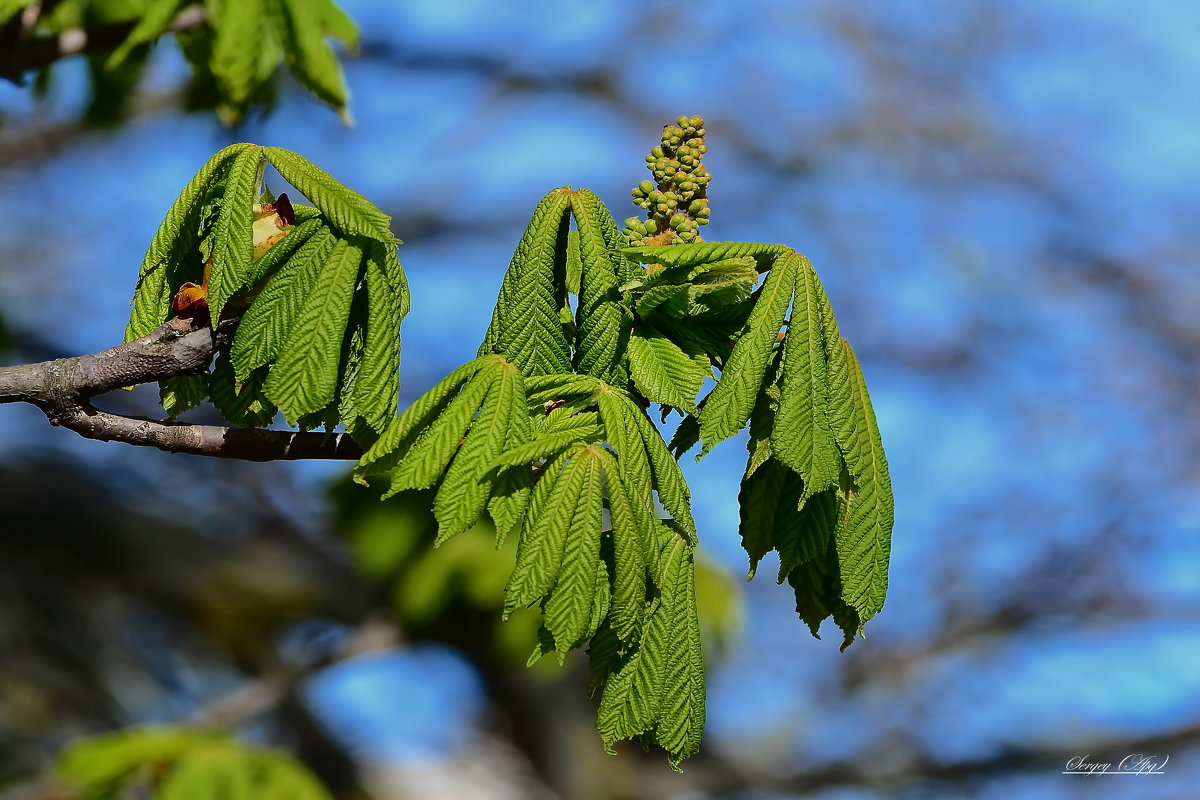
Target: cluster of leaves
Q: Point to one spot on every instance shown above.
(677, 200)
(547, 430)
(235, 54)
(183, 763)
(319, 339)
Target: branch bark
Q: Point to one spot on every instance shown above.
(63, 390)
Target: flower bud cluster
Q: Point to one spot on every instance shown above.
(676, 199)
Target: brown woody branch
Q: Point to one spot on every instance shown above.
(63, 390)
(23, 51)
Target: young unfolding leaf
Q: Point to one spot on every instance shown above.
(525, 326)
(663, 372)
(266, 324)
(346, 209)
(309, 55)
(729, 405)
(468, 483)
(305, 375)
(173, 256)
(568, 606)
(687, 255)
(802, 437)
(864, 539)
(603, 318)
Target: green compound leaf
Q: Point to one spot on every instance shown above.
(173, 250)
(393, 446)
(378, 383)
(233, 236)
(603, 318)
(237, 26)
(346, 209)
(305, 376)
(155, 18)
(729, 405)
(802, 437)
(568, 607)
(422, 465)
(687, 255)
(267, 323)
(681, 716)
(629, 542)
(551, 513)
(468, 483)
(525, 326)
(864, 541)
(309, 55)
(663, 372)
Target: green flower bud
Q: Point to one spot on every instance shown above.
(677, 221)
(646, 187)
(650, 227)
(657, 152)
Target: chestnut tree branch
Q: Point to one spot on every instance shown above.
(63, 389)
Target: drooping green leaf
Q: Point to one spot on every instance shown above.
(155, 18)
(240, 402)
(551, 511)
(628, 604)
(729, 405)
(465, 490)
(267, 323)
(423, 463)
(680, 725)
(392, 446)
(663, 372)
(818, 587)
(802, 437)
(233, 236)
(525, 326)
(173, 248)
(686, 255)
(345, 208)
(803, 533)
(378, 383)
(181, 393)
(864, 541)
(668, 478)
(569, 603)
(603, 318)
(305, 376)
(311, 58)
(237, 26)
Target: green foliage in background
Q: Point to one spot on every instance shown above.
(236, 48)
(172, 763)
